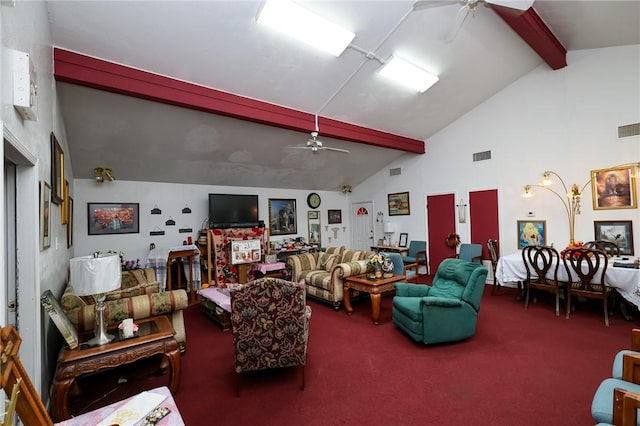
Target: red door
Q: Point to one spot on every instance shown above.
(441, 220)
(483, 216)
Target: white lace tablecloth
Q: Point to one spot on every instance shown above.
(158, 261)
(626, 281)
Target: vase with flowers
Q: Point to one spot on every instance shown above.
(376, 262)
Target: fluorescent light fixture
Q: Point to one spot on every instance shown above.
(304, 25)
(408, 74)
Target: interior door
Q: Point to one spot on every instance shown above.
(362, 225)
(483, 217)
(441, 220)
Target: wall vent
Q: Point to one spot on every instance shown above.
(480, 156)
(629, 130)
(395, 172)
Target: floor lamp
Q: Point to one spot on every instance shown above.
(97, 274)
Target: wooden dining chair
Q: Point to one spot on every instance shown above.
(609, 247)
(586, 269)
(541, 263)
(492, 246)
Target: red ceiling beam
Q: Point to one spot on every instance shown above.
(536, 33)
(96, 73)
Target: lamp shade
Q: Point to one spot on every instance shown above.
(388, 227)
(95, 275)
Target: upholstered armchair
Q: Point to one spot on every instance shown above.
(410, 271)
(270, 325)
(448, 310)
(417, 253)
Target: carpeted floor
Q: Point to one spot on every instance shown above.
(521, 368)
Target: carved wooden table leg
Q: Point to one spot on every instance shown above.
(347, 300)
(375, 307)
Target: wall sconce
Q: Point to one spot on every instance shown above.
(570, 200)
(346, 188)
(380, 217)
(462, 211)
(102, 173)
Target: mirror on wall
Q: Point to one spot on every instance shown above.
(313, 225)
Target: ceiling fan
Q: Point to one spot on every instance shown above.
(469, 6)
(315, 145)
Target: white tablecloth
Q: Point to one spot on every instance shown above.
(626, 281)
(158, 261)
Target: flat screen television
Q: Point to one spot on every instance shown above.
(233, 211)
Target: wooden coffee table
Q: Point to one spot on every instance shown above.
(375, 288)
(155, 336)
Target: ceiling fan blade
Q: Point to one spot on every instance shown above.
(462, 14)
(513, 4)
(428, 4)
(298, 147)
(346, 151)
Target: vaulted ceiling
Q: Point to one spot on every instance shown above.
(202, 94)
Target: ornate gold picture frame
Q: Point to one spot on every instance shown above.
(614, 188)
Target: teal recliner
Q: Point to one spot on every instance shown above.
(447, 311)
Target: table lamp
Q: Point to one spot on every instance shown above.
(97, 274)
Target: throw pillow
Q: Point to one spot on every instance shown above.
(327, 261)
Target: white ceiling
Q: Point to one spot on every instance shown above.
(217, 44)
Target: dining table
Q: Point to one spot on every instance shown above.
(622, 273)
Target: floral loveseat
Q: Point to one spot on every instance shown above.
(139, 297)
(324, 273)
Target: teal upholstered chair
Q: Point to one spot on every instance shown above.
(399, 268)
(604, 404)
(448, 310)
(470, 252)
(417, 253)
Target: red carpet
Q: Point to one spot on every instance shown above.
(521, 368)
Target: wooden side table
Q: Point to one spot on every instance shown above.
(402, 250)
(155, 336)
(375, 288)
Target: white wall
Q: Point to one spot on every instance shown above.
(563, 120)
(25, 27)
(171, 199)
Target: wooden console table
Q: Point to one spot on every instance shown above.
(155, 337)
(402, 250)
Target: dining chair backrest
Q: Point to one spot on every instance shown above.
(582, 266)
(541, 263)
(492, 246)
(609, 247)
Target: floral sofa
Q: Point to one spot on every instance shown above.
(139, 297)
(324, 273)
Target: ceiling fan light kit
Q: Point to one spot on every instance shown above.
(297, 22)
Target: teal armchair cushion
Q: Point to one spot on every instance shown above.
(470, 252)
(445, 312)
(415, 252)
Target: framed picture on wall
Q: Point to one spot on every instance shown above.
(45, 215)
(532, 233)
(398, 204)
(614, 188)
(113, 218)
(282, 216)
(335, 216)
(57, 171)
(619, 232)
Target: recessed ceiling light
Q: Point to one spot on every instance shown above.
(304, 25)
(408, 74)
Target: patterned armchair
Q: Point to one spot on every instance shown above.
(270, 325)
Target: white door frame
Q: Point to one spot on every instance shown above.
(27, 253)
(353, 218)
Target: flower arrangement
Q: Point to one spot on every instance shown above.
(376, 261)
(129, 265)
(574, 245)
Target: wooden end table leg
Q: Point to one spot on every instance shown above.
(172, 353)
(375, 307)
(346, 292)
(60, 399)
